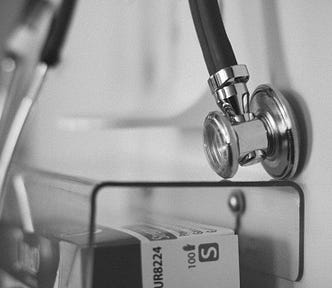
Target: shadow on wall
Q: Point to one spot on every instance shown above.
(280, 78)
(251, 278)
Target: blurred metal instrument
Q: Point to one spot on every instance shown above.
(31, 48)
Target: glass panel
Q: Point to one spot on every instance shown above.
(43, 215)
(52, 224)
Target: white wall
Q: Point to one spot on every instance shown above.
(299, 64)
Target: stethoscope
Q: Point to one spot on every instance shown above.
(248, 128)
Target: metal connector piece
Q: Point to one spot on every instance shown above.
(230, 91)
(228, 76)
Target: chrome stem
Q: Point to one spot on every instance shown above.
(22, 75)
(230, 91)
(17, 126)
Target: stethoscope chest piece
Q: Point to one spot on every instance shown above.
(269, 136)
(282, 155)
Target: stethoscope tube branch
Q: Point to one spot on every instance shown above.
(58, 33)
(216, 47)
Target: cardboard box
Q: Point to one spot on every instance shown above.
(163, 254)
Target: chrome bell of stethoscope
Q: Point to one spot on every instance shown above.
(248, 128)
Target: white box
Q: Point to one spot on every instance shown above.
(163, 254)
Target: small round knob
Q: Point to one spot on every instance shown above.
(221, 144)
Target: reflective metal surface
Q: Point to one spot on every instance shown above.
(272, 136)
(282, 155)
(221, 145)
(23, 77)
(227, 76)
(15, 129)
(230, 91)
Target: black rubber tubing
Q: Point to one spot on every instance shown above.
(58, 33)
(216, 47)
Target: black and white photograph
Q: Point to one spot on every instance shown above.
(165, 143)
